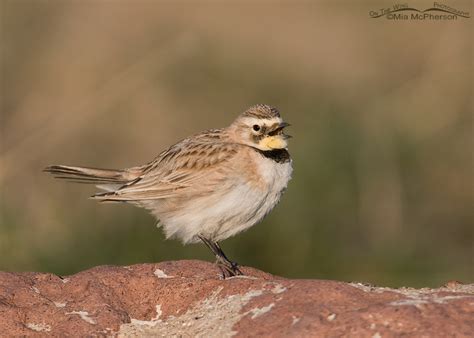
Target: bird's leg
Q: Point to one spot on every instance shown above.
(234, 266)
(228, 268)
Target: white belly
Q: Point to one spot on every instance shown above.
(231, 210)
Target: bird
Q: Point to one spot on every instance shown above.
(207, 187)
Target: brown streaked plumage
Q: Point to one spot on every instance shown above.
(261, 111)
(207, 187)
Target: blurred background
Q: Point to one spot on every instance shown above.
(381, 115)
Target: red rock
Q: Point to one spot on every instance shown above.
(188, 298)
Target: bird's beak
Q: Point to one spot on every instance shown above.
(278, 129)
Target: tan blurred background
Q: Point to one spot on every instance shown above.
(381, 113)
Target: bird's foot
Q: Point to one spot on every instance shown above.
(229, 269)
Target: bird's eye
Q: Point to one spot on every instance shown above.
(256, 127)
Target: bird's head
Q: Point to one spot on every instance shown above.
(260, 127)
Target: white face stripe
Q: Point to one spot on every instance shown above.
(253, 120)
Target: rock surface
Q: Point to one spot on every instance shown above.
(187, 298)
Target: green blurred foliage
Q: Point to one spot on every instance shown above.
(381, 115)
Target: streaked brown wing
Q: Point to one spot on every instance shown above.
(192, 166)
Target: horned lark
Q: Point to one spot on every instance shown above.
(207, 187)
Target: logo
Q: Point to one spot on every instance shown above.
(438, 12)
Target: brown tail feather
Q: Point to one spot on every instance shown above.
(90, 175)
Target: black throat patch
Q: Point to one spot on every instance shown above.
(277, 155)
